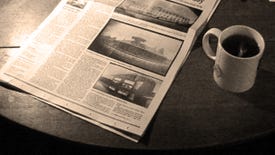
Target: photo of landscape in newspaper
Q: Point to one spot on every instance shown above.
(162, 12)
(137, 46)
(128, 85)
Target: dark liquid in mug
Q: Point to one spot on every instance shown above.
(241, 46)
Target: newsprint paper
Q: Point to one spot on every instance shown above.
(109, 62)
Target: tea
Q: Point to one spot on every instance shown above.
(241, 46)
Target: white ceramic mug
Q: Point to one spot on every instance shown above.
(233, 73)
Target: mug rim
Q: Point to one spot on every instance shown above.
(260, 37)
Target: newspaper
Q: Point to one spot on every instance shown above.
(109, 62)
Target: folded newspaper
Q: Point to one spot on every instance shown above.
(109, 62)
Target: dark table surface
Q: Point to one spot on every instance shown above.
(195, 112)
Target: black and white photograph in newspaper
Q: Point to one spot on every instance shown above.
(162, 12)
(77, 3)
(136, 46)
(128, 85)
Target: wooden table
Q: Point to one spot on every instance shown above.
(195, 112)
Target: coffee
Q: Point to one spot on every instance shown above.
(241, 46)
(237, 56)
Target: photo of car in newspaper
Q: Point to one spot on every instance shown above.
(128, 85)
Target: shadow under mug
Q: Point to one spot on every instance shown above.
(233, 73)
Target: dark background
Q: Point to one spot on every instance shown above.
(17, 139)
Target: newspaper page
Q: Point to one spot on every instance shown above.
(109, 62)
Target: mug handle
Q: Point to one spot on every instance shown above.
(205, 42)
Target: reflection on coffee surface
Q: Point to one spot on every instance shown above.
(241, 46)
